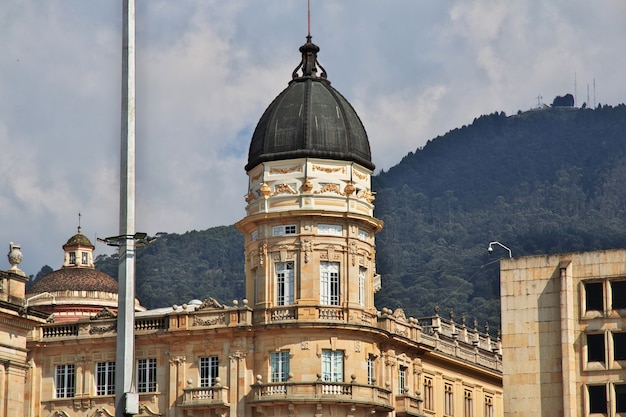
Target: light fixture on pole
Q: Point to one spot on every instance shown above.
(490, 248)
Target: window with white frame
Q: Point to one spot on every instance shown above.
(402, 384)
(370, 370)
(363, 234)
(429, 402)
(72, 258)
(209, 371)
(279, 366)
(282, 230)
(329, 283)
(105, 378)
(332, 365)
(448, 399)
(468, 403)
(65, 380)
(329, 229)
(85, 258)
(362, 286)
(284, 283)
(146, 375)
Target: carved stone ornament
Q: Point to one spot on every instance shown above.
(209, 303)
(103, 314)
(220, 319)
(307, 186)
(283, 189)
(15, 257)
(329, 188)
(295, 168)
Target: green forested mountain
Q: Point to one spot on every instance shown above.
(543, 181)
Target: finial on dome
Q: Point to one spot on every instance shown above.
(309, 62)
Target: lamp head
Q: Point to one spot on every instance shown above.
(490, 249)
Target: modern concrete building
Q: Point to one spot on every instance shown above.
(307, 340)
(564, 334)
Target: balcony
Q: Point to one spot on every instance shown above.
(408, 406)
(275, 393)
(206, 398)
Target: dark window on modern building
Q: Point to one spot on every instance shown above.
(620, 398)
(595, 347)
(618, 292)
(619, 346)
(597, 398)
(593, 296)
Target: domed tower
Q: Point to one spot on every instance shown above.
(78, 289)
(309, 229)
(309, 242)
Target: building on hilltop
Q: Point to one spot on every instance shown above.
(564, 334)
(307, 340)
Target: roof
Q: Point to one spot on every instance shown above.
(78, 240)
(309, 119)
(74, 279)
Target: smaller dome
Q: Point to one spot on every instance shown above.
(74, 279)
(79, 240)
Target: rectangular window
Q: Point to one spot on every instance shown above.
(402, 388)
(618, 294)
(362, 286)
(209, 371)
(146, 375)
(65, 380)
(329, 283)
(489, 406)
(370, 370)
(620, 398)
(595, 347)
(284, 283)
(329, 229)
(332, 365)
(593, 296)
(282, 230)
(619, 346)
(363, 235)
(72, 258)
(428, 394)
(597, 398)
(105, 378)
(254, 235)
(85, 259)
(468, 404)
(279, 364)
(448, 400)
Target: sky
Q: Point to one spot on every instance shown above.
(207, 69)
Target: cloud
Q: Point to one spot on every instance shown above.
(207, 69)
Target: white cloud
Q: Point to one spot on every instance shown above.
(206, 70)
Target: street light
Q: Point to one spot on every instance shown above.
(140, 238)
(490, 248)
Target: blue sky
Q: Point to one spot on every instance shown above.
(206, 70)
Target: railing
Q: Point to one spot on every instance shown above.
(314, 391)
(280, 314)
(327, 313)
(205, 397)
(152, 323)
(60, 330)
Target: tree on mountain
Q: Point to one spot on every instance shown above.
(565, 101)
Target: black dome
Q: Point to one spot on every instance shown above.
(309, 119)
